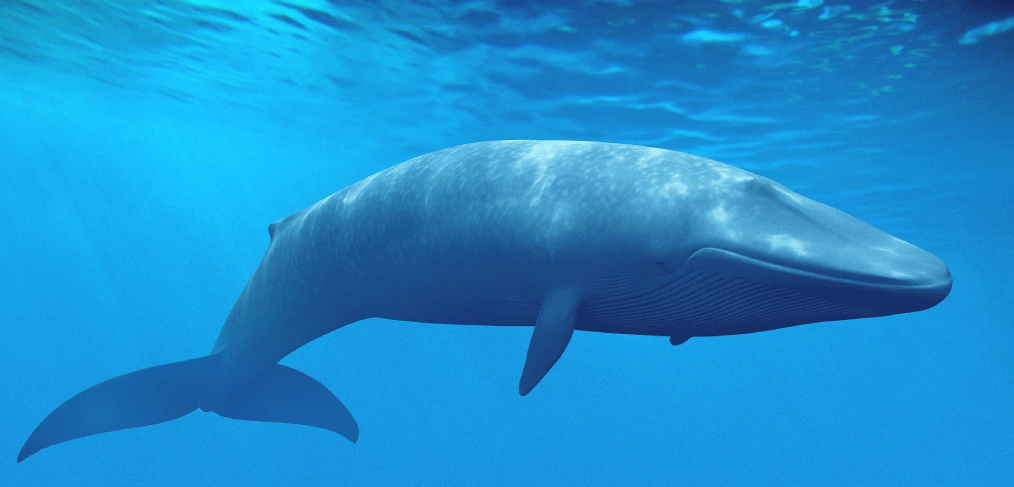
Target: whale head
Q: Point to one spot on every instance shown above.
(766, 257)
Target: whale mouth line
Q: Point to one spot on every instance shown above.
(720, 292)
(874, 282)
(890, 297)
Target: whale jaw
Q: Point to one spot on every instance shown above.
(718, 292)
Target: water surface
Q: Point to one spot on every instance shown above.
(146, 145)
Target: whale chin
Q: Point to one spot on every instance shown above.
(719, 292)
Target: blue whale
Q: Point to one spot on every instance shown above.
(557, 235)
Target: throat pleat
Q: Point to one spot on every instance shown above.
(702, 303)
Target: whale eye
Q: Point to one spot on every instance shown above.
(664, 267)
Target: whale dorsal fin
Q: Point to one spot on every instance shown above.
(273, 228)
(553, 329)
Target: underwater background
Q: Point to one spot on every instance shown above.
(146, 145)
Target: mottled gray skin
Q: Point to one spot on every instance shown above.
(479, 233)
(556, 235)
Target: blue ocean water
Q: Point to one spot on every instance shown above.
(146, 145)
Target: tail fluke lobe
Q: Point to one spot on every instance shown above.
(284, 395)
(145, 397)
(167, 392)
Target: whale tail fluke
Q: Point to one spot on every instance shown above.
(284, 395)
(166, 392)
(145, 397)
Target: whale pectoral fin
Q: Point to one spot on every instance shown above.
(284, 395)
(553, 329)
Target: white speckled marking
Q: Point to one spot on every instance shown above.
(786, 241)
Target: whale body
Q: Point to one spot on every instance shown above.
(557, 235)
